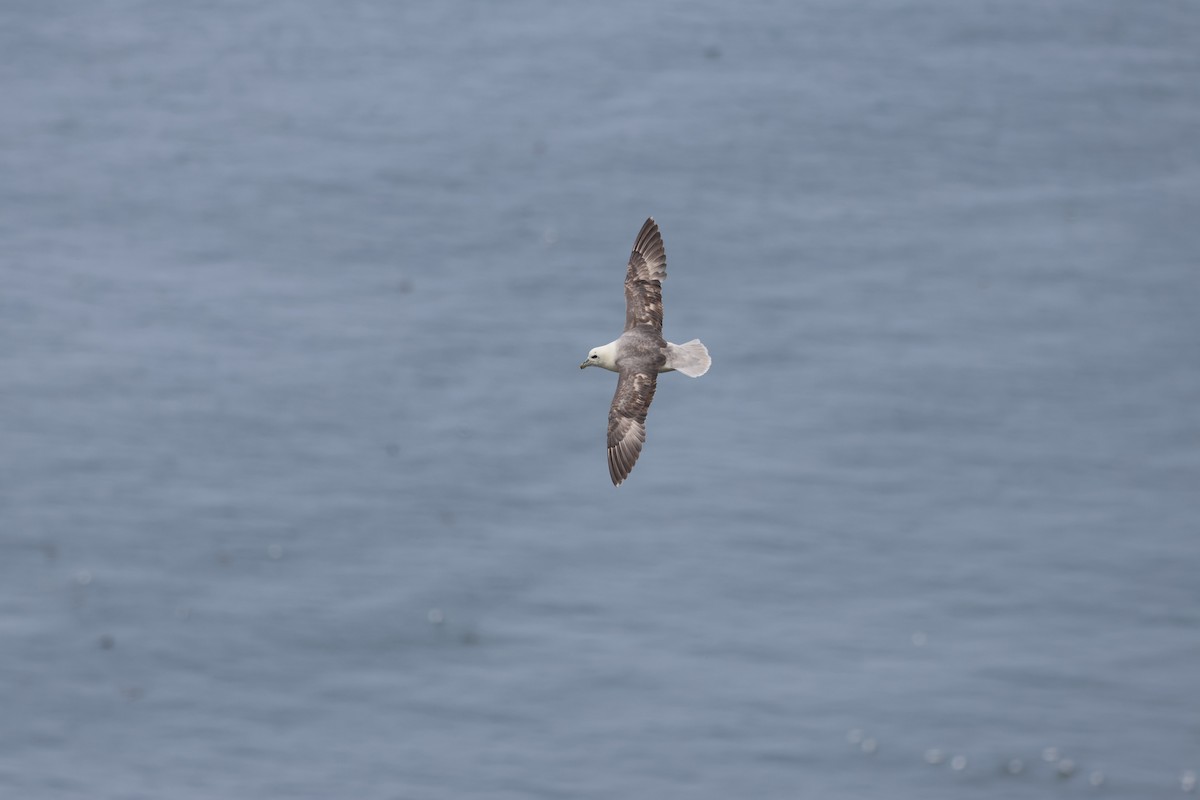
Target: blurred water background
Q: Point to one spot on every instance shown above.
(302, 494)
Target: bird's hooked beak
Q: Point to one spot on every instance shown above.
(585, 364)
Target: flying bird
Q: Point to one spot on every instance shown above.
(641, 352)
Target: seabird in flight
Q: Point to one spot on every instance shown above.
(641, 352)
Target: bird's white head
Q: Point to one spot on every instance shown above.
(603, 356)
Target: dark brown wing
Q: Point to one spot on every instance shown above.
(643, 287)
(627, 422)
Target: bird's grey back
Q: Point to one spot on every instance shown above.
(641, 348)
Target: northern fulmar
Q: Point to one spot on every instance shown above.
(641, 352)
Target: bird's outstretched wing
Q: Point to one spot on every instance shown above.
(643, 287)
(627, 421)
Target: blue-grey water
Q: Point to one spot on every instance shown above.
(302, 494)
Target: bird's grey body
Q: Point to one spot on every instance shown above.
(641, 353)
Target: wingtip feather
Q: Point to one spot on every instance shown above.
(649, 245)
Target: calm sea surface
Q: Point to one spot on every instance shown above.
(302, 494)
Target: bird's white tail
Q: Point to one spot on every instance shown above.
(690, 358)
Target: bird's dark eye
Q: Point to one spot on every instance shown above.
(595, 356)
